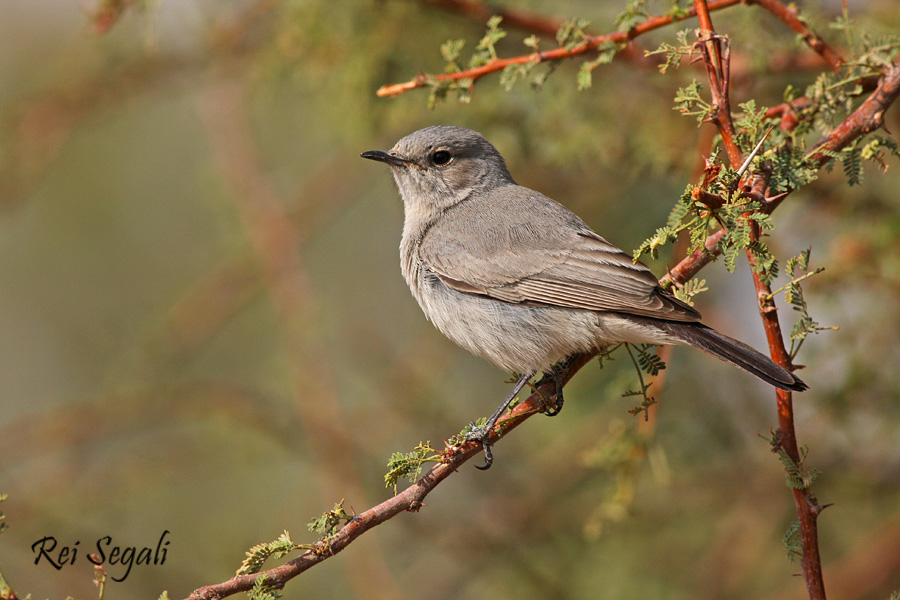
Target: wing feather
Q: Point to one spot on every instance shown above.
(562, 264)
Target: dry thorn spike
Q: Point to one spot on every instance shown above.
(754, 152)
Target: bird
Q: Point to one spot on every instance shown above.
(517, 278)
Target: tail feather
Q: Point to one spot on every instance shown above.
(737, 353)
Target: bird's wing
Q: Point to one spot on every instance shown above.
(559, 263)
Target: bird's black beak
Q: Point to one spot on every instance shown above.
(384, 157)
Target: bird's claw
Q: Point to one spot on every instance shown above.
(483, 435)
(552, 409)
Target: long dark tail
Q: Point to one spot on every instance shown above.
(732, 351)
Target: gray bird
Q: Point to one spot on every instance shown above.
(517, 278)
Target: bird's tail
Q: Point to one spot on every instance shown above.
(732, 351)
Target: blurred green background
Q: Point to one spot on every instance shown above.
(203, 327)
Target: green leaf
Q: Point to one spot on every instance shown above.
(690, 289)
(651, 246)
(541, 78)
(689, 102)
(450, 50)
(681, 209)
(730, 253)
(649, 360)
(584, 78)
(263, 591)
(607, 52)
(636, 12)
(571, 34)
(257, 555)
(512, 73)
(792, 542)
(409, 464)
(674, 54)
(852, 165)
(485, 51)
(330, 521)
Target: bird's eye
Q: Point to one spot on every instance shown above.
(441, 158)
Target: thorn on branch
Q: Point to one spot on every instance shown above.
(818, 508)
(711, 201)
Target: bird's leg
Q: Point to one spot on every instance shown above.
(483, 434)
(555, 374)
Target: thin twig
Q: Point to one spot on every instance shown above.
(788, 15)
(716, 52)
(779, 10)
(550, 55)
(868, 117)
(409, 500)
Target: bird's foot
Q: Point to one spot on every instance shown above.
(556, 408)
(481, 434)
(554, 376)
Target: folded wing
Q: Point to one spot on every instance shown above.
(565, 265)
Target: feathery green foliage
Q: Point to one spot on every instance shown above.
(330, 521)
(691, 288)
(875, 150)
(409, 464)
(263, 591)
(259, 554)
(650, 363)
(674, 54)
(485, 50)
(450, 50)
(572, 34)
(688, 101)
(792, 542)
(796, 477)
(607, 51)
(635, 13)
(663, 236)
(798, 269)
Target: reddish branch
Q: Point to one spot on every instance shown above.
(409, 500)
(808, 508)
(779, 10)
(556, 54)
(786, 438)
(865, 119)
(716, 52)
(788, 15)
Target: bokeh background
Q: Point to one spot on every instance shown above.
(204, 329)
